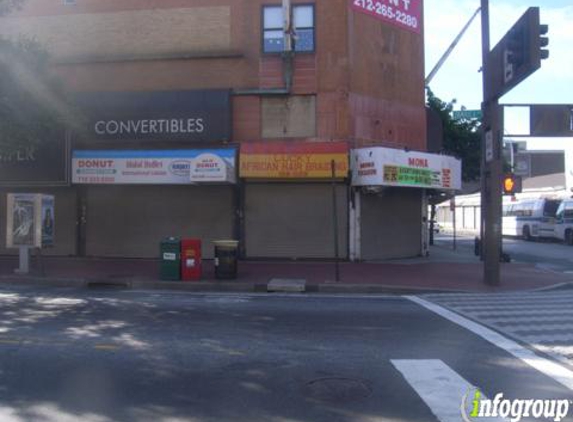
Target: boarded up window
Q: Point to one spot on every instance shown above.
(289, 117)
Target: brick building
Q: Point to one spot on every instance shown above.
(200, 125)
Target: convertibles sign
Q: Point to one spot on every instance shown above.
(380, 166)
(190, 116)
(162, 167)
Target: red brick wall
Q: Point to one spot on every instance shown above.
(368, 75)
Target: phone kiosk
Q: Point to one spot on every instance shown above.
(30, 223)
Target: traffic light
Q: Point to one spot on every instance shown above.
(543, 42)
(515, 47)
(518, 54)
(511, 184)
(537, 39)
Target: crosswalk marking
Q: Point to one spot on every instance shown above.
(440, 387)
(511, 306)
(554, 370)
(530, 319)
(544, 320)
(516, 312)
(548, 338)
(548, 327)
(506, 300)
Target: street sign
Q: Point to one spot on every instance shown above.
(488, 147)
(551, 120)
(467, 114)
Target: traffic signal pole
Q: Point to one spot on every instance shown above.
(491, 164)
(514, 58)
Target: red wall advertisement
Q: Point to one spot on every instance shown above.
(406, 14)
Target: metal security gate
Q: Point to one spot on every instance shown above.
(391, 224)
(130, 221)
(294, 220)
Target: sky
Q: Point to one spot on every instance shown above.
(459, 78)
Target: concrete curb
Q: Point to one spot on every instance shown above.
(236, 287)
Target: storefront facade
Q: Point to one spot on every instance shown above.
(159, 164)
(288, 199)
(41, 169)
(389, 209)
(212, 82)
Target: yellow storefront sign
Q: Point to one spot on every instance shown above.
(293, 160)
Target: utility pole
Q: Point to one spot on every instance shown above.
(514, 58)
(491, 163)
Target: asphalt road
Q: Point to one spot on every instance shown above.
(546, 254)
(100, 356)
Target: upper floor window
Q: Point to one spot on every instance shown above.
(303, 25)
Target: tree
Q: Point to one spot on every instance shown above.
(462, 138)
(34, 107)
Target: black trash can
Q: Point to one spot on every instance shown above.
(226, 254)
(170, 256)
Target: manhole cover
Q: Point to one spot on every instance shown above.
(338, 389)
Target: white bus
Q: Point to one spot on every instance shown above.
(530, 218)
(564, 222)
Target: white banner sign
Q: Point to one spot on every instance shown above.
(380, 166)
(159, 167)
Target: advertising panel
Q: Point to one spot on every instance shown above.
(293, 160)
(30, 220)
(405, 14)
(48, 220)
(193, 116)
(394, 167)
(159, 167)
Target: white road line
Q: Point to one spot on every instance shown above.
(556, 328)
(524, 312)
(501, 297)
(547, 338)
(509, 322)
(506, 306)
(505, 302)
(439, 386)
(558, 372)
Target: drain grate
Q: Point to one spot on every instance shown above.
(338, 389)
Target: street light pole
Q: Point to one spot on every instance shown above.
(491, 163)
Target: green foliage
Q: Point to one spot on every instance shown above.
(462, 138)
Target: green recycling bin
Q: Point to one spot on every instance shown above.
(226, 255)
(170, 256)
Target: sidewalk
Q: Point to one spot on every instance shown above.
(443, 270)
